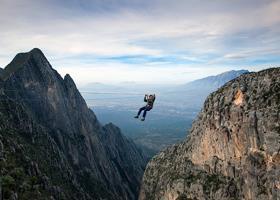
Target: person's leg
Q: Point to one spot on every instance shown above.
(140, 110)
(145, 111)
(144, 114)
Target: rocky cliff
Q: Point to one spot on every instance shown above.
(52, 146)
(233, 148)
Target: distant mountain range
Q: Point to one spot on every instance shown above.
(214, 82)
(194, 93)
(199, 89)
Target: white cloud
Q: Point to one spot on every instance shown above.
(209, 32)
(110, 73)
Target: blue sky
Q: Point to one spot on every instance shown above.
(148, 41)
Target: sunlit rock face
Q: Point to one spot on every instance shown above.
(232, 151)
(55, 142)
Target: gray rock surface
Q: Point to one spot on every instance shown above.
(232, 151)
(2, 72)
(55, 141)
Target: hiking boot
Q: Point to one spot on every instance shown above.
(143, 119)
(136, 117)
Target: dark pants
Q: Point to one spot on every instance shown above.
(145, 108)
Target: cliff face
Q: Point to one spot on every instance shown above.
(55, 143)
(232, 151)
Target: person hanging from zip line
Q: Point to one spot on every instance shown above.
(150, 99)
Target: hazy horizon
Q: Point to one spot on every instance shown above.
(151, 42)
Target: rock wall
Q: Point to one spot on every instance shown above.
(232, 151)
(56, 142)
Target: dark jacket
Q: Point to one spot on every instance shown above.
(150, 101)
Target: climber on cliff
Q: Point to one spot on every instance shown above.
(150, 99)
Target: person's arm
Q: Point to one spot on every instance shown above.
(145, 98)
(154, 97)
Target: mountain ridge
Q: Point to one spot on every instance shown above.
(44, 117)
(215, 81)
(20, 60)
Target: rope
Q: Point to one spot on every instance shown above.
(88, 92)
(121, 96)
(118, 93)
(91, 99)
(92, 92)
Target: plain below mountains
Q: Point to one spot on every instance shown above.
(52, 145)
(175, 108)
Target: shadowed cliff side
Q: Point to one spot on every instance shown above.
(232, 151)
(52, 145)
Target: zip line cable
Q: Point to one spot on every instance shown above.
(121, 95)
(92, 92)
(87, 99)
(118, 93)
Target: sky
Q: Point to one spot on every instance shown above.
(146, 41)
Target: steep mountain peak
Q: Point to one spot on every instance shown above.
(62, 136)
(36, 51)
(69, 81)
(35, 56)
(112, 128)
(111, 125)
(21, 58)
